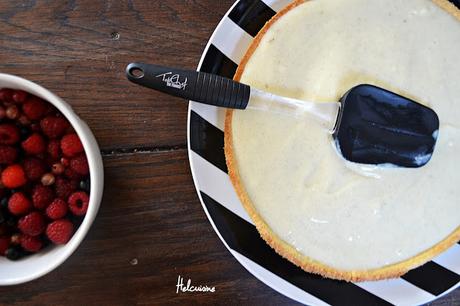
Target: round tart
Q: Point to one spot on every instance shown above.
(328, 216)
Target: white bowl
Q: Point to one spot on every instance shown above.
(34, 266)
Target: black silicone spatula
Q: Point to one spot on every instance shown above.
(371, 125)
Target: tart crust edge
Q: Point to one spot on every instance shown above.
(273, 240)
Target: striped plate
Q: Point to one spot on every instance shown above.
(231, 222)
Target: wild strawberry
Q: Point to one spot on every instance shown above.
(4, 245)
(57, 168)
(59, 231)
(34, 168)
(34, 144)
(78, 203)
(9, 134)
(71, 145)
(48, 179)
(53, 126)
(7, 154)
(32, 224)
(79, 164)
(23, 120)
(16, 238)
(54, 149)
(31, 243)
(42, 196)
(57, 209)
(19, 96)
(13, 176)
(12, 112)
(34, 108)
(19, 204)
(63, 188)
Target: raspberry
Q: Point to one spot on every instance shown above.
(59, 231)
(13, 176)
(43, 159)
(4, 245)
(48, 161)
(71, 175)
(34, 144)
(51, 110)
(63, 188)
(19, 204)
(35, 127)
(57, 209)
(42, 196)
(32, 224)
(34, 108)
(74, 183)
(6, 95)
(71, 145)
(30, 243)
(34, 168)
(78, 203)
(8, 154)
(4, 229)
(54, 127)
(79, 164)
(54, 149)
(9, 134)
(65, 162)
(19, 96)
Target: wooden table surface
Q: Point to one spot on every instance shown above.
(150, 227)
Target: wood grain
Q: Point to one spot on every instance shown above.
(150, 211)
(79, 50)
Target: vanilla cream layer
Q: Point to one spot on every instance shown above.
(345, 216)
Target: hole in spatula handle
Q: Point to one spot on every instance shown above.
(136, 72)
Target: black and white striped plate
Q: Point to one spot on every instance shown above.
(221, 56)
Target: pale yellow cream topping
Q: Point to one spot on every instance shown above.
(345, 216)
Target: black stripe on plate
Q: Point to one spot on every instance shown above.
(456, 3)
(432, 277)
(243, 237)
(207, 141)
(251, 15)
(216, 62)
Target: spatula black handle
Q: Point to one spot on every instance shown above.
(191, 85)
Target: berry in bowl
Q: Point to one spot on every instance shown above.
(51, 180)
